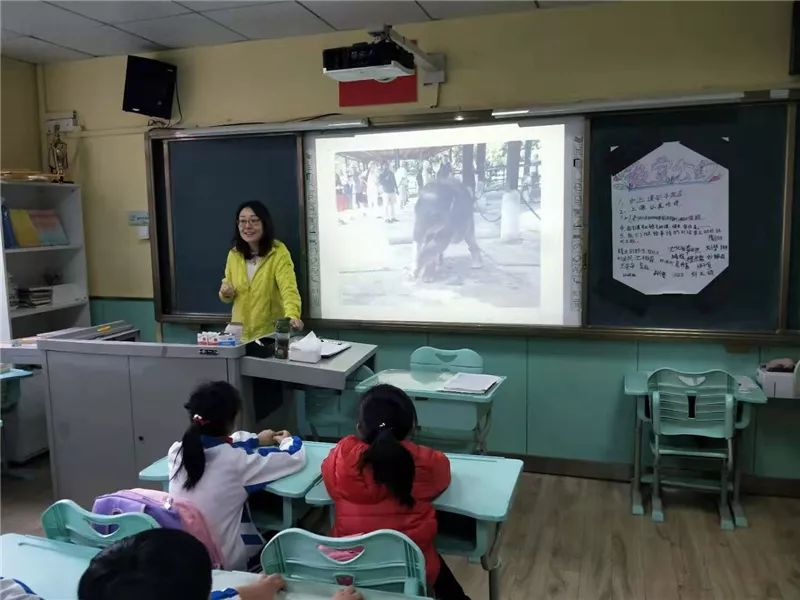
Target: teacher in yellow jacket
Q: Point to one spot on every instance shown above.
(259, 275)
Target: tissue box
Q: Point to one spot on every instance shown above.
(313, 355)
(779, 385)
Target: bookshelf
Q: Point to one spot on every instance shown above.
(35, 266)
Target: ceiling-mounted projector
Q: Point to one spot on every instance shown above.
(379, 60)
(389, 56)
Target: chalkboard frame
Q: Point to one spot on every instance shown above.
(737, 338)
(161, 248)
(777, 302)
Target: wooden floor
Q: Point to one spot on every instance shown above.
(574, 539)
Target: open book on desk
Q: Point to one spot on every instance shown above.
(470, 383)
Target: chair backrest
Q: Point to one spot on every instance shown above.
(383, 560)
(65, 521)
(684, 403)
(464, 360)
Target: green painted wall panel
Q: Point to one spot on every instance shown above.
(777, 447)
(394, 349)
(501, 356)
(576, 405)
(139, 313)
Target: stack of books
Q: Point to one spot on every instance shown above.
(35, 296)
(13, 296)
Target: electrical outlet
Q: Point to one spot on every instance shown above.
(66, 122)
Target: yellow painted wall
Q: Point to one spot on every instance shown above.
(19, 129)
(605, 51)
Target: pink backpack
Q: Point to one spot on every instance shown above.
(191, 519)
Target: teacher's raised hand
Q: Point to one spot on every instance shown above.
(226, 290)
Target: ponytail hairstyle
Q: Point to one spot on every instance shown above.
(212, 411)
(387, 417)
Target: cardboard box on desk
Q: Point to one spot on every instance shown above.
(780, 385)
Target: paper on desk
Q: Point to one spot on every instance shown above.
(470, 383)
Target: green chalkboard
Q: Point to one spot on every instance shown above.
(199, 183)
(748, 140)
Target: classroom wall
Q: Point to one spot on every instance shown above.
(613, 50)
(563, 398)
(19, 128)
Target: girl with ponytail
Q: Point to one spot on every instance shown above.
(216, 469)
(379, 479)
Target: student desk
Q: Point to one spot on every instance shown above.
(53, 569)
(636, 385)
(479, 496)
(292, 489)
(437, 407)
(302, 590)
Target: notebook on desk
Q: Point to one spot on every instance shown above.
(470, 383)
(332, 347)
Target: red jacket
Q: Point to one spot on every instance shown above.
(362, 505)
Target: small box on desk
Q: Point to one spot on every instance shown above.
(778, 384)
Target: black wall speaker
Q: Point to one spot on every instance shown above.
(149, 87)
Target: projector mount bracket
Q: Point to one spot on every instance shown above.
(432, 64)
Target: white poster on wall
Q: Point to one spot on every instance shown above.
(670, 221)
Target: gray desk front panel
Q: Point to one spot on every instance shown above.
(90, 406)
(159, 388)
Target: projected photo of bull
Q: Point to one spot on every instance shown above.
(437, 224)
(443, 215)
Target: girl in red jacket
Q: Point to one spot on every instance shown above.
(381, 480)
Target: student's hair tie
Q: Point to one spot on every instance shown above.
(199, 420)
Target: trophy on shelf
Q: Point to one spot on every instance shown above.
(57, 155)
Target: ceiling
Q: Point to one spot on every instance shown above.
(42, 32)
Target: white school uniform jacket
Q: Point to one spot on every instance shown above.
(234, 469)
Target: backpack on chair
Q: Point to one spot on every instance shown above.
(169, 512)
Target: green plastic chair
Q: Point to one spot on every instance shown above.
(435, 425)
(464, 360)
(693, 416)
(382, 560)
(65, 521)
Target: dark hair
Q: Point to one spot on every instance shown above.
(158, 564)
(387, 417)
(268, 227)
(212, 411)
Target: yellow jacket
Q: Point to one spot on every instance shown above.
(271, 295)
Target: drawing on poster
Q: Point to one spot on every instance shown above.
(670, 221)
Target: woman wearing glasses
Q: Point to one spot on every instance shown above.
(259, 275)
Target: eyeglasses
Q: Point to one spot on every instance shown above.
(252, 222)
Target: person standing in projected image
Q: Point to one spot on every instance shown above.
(259, 280)
(389, 190)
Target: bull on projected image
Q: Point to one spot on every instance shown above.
(452, 225)
(433, 216)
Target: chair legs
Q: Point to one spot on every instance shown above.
(657, 511)
(726, 476)
(725, 516)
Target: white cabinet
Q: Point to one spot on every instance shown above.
(38, 266)
(61, 266)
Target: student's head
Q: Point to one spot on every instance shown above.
(253, 228)
(160, 564)
(386, 417)
(212, 411)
